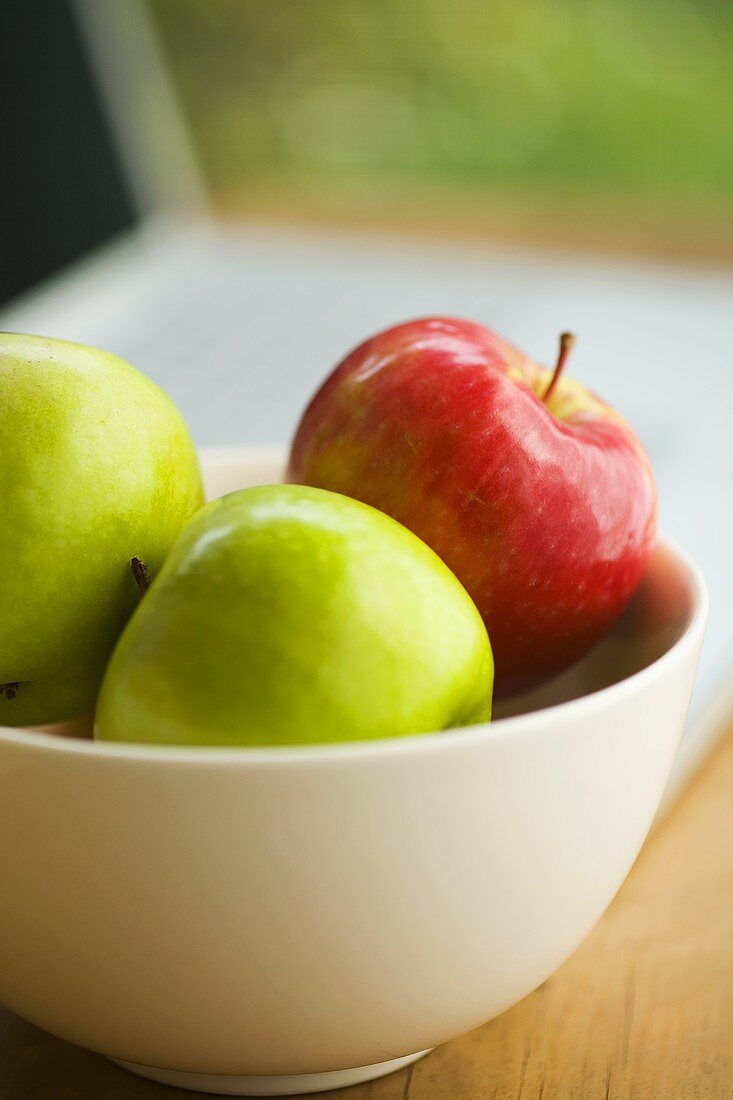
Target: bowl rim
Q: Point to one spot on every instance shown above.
(535, 723)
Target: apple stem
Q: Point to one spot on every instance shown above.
(9, 690)
(567, 341)
(141, 573)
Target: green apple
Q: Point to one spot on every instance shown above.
(291, 615)
(96, 466)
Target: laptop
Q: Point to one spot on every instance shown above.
(239, 324)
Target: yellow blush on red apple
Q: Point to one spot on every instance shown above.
(536, 493)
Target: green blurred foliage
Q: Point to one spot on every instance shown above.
(624, 100)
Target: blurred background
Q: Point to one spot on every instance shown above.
(600, 124)
(586, 126)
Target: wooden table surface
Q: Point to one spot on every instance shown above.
(642, 1011)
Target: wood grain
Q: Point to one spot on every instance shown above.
(642, 1011)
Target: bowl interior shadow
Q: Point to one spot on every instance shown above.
(655, 619)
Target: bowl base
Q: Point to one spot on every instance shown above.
(225, 1085)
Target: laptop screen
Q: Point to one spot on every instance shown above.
(63, 190)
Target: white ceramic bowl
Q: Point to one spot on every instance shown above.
(264, 921)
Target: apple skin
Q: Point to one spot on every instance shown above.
(96, 465)
(289, 615)
(545, 512)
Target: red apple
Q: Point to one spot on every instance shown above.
(536, 493)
